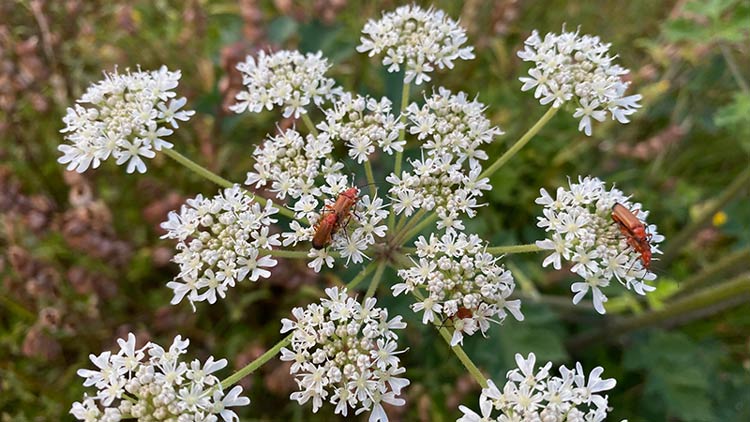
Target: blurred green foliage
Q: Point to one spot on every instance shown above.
(689, 60)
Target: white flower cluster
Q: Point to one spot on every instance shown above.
(570, 65)
(361, 122)
(447, 177)
(292, 165)
(220, 240)
(345, 352)
(151, 384)
(464, 284)
(584, 233)
(534, 395)
(417, 38)
(125, 116)
(286, 79)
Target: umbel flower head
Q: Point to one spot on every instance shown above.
(464, 283)
(125, 116)
(582, 231)
(285, 79)
(418, 39)
(153, 384)
(345, 353)
(362, 123)
(303, 168)
(220, 242)
(533, 394)
(446, 178)
(570, 66)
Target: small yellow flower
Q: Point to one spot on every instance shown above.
(719, 219)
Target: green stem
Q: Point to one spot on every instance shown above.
(197, 168)
(407, 225)
(732, 289)
(464, 358)
(683, 237)
(523, 140)
(457, 350)
(430, 219)
(373, 287)
(402, 132)
(213, 177)
(257, 363)
(361, 276)
(310, 125)
(499, 250)
(401, 222)
(399, 154)
(711, 271)
(370, 178)
(282, 253)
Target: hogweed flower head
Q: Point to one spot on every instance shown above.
(345, 353)
(533, 394)
(452, 130)
(221, 241)
(418, 39)
(464, 283)
(570, 66)
(154, 384)
(582, 231)
(124, 116)
(363, 123)
(304, 169)
(285, 79)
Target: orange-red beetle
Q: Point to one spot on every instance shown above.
(334, 217)
(634, 231)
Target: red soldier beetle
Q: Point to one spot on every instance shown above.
(634, 231)
(334, 217)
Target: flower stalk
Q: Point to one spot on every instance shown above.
(257, 363)
(520, 143)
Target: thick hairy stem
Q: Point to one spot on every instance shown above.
(735, 288)
(724, 264)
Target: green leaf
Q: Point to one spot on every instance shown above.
(679, 372)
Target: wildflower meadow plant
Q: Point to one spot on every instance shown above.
(353, 209)
(533, 394)
(151, 383)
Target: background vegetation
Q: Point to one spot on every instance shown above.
(81, 262)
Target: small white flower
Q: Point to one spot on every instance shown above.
(535, 395)
(581, 230)
(453, 131)
(570, 65)
(285, 79)
(361, 123)
(463, 282)
(345, 353)
(158, 386)
(117, 117)
(415, 38)
(219, 243)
